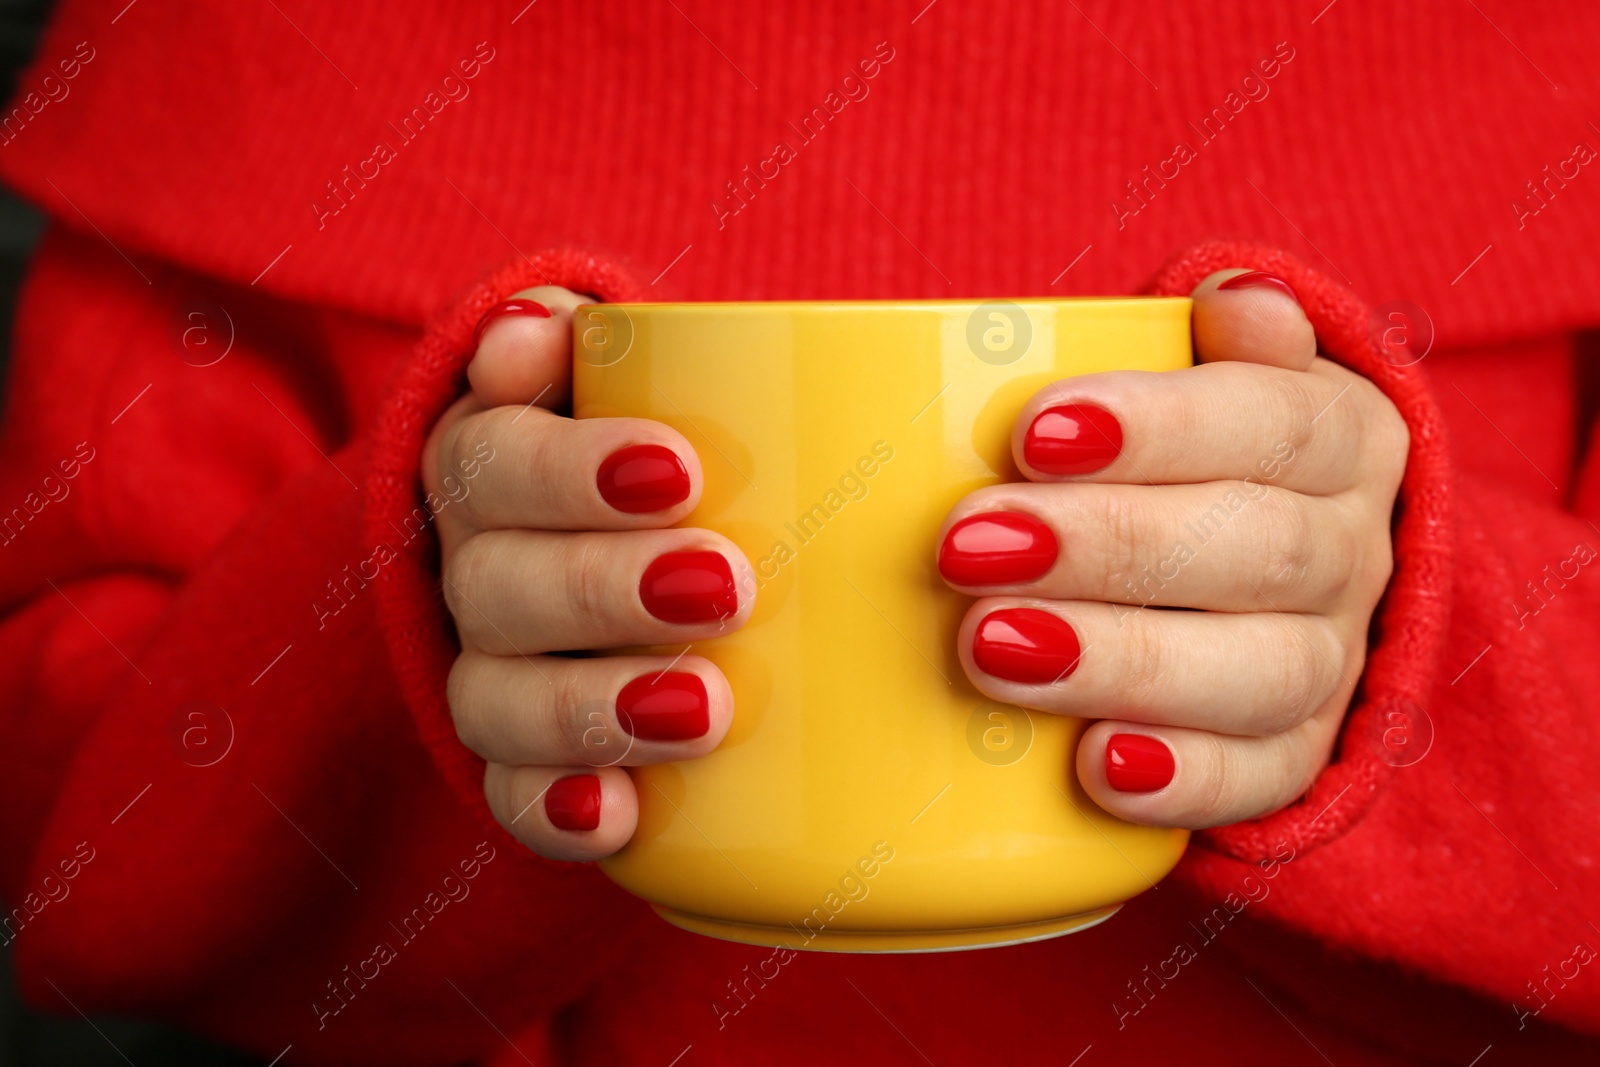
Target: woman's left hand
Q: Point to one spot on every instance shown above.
(1254, 489)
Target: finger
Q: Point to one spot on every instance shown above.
(525, 349)
(1300, 430)
(1169, 776)
(520, 592)
(444, 480)
(1252, 674)
(1220, 546)
(1251, 316)
(531, 469)
(623, 711)
(561, 813)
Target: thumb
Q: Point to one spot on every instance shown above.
(525, 349)
(1250, 316)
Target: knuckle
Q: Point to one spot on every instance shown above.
(1388, 435)
(1363, 552)
(1242, 779)
(462, 694)
(1295, 407)
(453, 448)
(1214, 793)
(434, 459)
(471, 446)
(1397, 449)
(1286, 544)
(458, 688)
(1300, 680)
(587, 584)
(1376, 564)
(1383, 436)
(1309, 757)
(1144, 662)
(569, 720)
(1283, 771)
(1120, 540)
(439, 448)
(457, 442)
(549, 447)
(1370, 563)
(463, 574)
(1391, 451)
(1182, 408)
(497, 791)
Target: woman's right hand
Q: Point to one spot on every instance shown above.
(554, 540)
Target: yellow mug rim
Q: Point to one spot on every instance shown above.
(943, 303)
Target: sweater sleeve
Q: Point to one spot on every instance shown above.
(215, 612)
(1453, 832)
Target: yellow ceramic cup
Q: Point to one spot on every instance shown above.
(867, 797)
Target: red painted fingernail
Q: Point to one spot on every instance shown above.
(519, 306)
(1138, 763)
(1260, 279)
(670, 706)
(1072, 439)
(573, 803)
(1025, 645)
(689, 587)
(997, 548)
(643, 478)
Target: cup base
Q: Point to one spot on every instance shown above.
(885, 941)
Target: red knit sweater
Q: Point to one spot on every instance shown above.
(230, 793)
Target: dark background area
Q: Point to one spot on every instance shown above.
(27, 1037)
(20, 224)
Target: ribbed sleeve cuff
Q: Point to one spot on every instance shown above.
(1409, 629)
(416, 626)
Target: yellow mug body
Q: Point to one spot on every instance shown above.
(867, 797)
